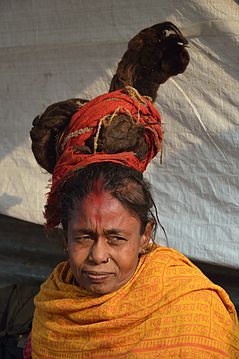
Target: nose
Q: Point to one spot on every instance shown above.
(99, 251)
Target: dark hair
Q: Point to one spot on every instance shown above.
(124, 183)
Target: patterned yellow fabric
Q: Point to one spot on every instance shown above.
(168, 309)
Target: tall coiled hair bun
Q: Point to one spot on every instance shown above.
(48, 128)
(153, 56)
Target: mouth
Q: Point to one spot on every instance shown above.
(97, 276)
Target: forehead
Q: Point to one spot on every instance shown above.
(101, 208)
(100, 201)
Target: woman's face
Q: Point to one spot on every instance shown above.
(100, 228)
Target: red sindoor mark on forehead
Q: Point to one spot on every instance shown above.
(97, 194)
(98, 197)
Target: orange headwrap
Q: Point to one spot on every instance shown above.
(85, 123)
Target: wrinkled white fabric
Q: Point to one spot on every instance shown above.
(51, 51)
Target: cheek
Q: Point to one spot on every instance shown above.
(77, 255)
(128, 267)
(127, 260)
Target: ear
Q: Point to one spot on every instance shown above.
(145, 237)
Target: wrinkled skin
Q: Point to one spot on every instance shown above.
(100, 227)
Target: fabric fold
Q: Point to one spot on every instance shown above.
(167, 309)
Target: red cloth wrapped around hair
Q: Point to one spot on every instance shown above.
(84, 124)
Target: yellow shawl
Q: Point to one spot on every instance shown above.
(168, 309)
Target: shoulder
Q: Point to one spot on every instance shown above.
(170, 258)
(183, 281)
(193, 304)
(58, 284)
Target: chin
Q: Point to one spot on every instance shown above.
(96, 289)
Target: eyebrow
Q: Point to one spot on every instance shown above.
(92, 233)
(113, 231)
(83, 231)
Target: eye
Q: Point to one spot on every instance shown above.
(116, 240)
(82, 239)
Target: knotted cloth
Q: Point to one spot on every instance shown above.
(168, 309)
(87, 121)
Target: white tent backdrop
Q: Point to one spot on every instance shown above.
(58, 49)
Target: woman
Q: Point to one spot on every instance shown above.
(119, 295)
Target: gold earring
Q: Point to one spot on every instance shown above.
(144, 250)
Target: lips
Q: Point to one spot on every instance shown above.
(97, 276)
